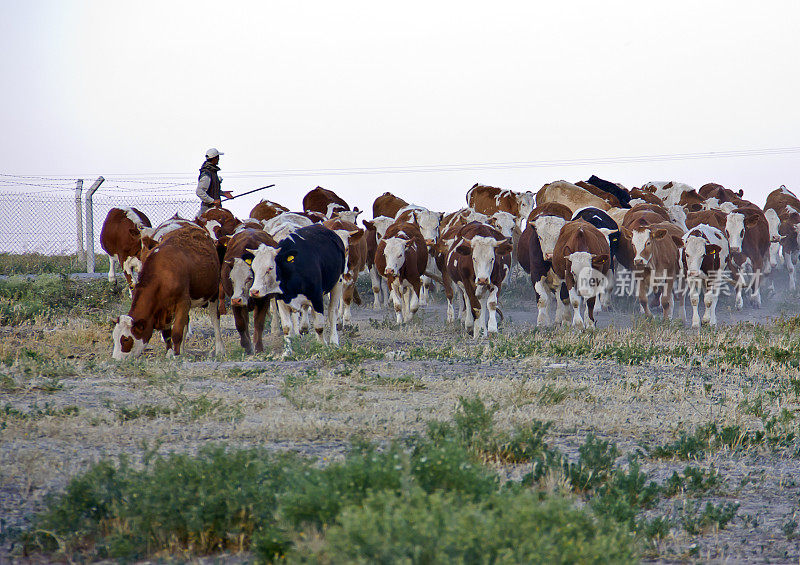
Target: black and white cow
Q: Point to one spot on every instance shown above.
(304, 267)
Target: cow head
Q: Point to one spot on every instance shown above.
(240, 278)
(641, 240)
(587, 272)
(349, 215)
(548, 229)
(395, 253)
(677, 215)
(527, 202)
(381, 224)
(504, 222)
(265, 272)
(428, 223)
(696, 251)
(128, 336)
(774, 222)
(483, 250)
(734, 230)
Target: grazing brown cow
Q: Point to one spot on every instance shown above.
(355, 251)
(571, 195)
(387, 204)
(121, 238)
(401, 259)
(582, 259)
(489, 199)
(479, 262)
(236, 277)
(329, 204)
(266, 210)
(181, 273)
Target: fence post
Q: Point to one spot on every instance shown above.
(90, 225)
(79, 222)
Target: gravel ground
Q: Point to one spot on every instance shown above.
(315, 406)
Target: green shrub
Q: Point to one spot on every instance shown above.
(421, 527)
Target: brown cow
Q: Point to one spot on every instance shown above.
(489, 199)
(329, 204)
(747, 231)
(461, 218)
(181, 273)
(713, 218)
(691, 201)
(121, 238)
(236, 278)
(612, 200)
(220, 225)
(266, 210)
(479, 262)
(648, 197)
(571, 195)
(582, 259)
(401, 259)
(355, 251)
(387, 204)
(656, 255)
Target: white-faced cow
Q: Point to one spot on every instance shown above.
(582, 259)
(705, 258)
(237, 278)
(180, 273)
(479, 262)
(401, 259)
(121, 238)
(306, 266)
(376, 228)
(428, 223)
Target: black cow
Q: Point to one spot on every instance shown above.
(301, 270)
(607, 186)
(602, 221)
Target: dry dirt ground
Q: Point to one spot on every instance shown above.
(64, 403)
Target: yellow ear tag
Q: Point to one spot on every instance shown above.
(248, 261)
(290, 258)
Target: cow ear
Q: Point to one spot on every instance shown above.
(740, 192)
(248, 257)
(601, 260)
(678, 241)
(504, 247)
(114, 321)
(464, 249)
(139, 325)
(712, 249)
(367, 224)
(659, 233)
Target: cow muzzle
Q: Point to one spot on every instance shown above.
(238, 301)
(548, 256)
(254, 292)
(482, 281)
(736, 249)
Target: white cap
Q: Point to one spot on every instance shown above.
(213, 152)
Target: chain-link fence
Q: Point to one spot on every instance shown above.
(50, 225)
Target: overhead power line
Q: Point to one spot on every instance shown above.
(174, 179)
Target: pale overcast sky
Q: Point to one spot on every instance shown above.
(110, 88)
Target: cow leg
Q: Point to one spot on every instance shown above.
(415, 300)
(407, 293)
(287, 324)
(385, 293)
(576, 300)
(694, 297)
(424, 290)
(241, 320)
(644, 291)
(491, 304)
(166, 337)
(112, 273)
(788, 260)
(542, 303)
(480, 326)
(375, 279)
(711, 297)
(397, 300)
(469, 319)
(591, 304)
(219, 347)
(318, 320)
(304, 319)
(333, 315)
(274, 315)
(347, 300)
(449, 294)
(179, 323)
(668, 300)
(259, 319)
(755, 289)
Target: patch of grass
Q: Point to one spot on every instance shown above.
(697, 519)
(305, 348)
(693, 481)
(37, 263)
(25, 299)
(36, 412)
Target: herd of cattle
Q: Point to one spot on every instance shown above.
(573, 240)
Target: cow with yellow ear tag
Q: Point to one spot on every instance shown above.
(307, 265)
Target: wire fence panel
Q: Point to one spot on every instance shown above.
(46, 223)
